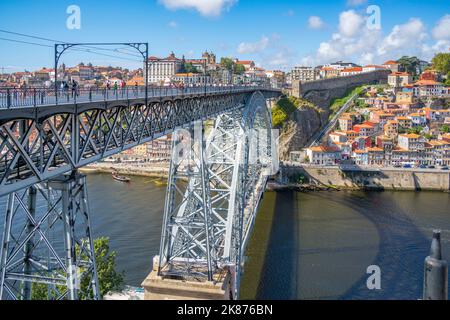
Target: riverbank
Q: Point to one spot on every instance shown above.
(366, 178)
(144, 170)
(314, 178)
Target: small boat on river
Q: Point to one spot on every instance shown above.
(117, 177)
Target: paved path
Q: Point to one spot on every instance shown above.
(16, 98)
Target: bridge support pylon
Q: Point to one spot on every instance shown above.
(214, 190)
(47, 250)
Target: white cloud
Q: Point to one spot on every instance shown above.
(209, 8)
(315, 22)
(281, 58)
(357, 43)
(253, 47)
(350, 23)
(442, 29)
(404, 37)
(173, 24)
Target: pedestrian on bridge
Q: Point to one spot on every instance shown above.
(74, 88)
(66, 88)
(115, 87)
(123, 85)
(136, 88)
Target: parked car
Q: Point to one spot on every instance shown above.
(422, 166)
(407, 166)
(444, 168)
(397, 166)
(431, 167)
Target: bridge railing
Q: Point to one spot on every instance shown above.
(34, 97)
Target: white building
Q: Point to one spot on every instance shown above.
(192, 79)
(351, 71)
(370, 68)
(162, 70)
(324, 155)
(399, 79)
(411, 142)
(305, 74)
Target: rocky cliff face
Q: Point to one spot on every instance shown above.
(301, 125)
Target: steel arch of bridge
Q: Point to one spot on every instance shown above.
(42, 143)
(208, 218)
(39, 146)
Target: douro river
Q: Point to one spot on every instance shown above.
(304, 246)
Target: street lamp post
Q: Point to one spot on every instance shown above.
(204, 74)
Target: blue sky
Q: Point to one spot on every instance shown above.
(277, 34)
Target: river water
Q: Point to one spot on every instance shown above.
(304, 245)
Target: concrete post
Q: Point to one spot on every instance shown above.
(435, 282)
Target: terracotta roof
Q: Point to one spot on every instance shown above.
(400, 150)
(410, 136)
(324, 149)
(366, 126)
(399, 74)
(196, 61)
(427, 83)
(373, 66)
(339, 133)
(355, 69)
(244, 62)
(190, 74)
(437, 143)
(390, 62)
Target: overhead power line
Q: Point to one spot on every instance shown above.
(26, 42)
(89, 49)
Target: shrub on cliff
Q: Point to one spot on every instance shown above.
(285, 107)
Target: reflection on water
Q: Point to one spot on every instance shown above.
(319, 245)
(304, 246)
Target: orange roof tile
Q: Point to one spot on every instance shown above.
(324, 149)
(410, 136)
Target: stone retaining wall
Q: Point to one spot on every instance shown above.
(372, 179)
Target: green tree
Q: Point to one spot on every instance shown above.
(445, 128)
(190, 68)
(227, 63)
(415, 130)
(239, 69)
(447, 81)
(409, 64)
(441, 62)
(109, 279)
(402, 130)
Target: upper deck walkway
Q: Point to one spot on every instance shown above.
(11, 98)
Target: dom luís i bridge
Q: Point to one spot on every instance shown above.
(217, 178)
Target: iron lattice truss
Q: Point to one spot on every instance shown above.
(48, 141)
(36, 261)
(214, 190)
